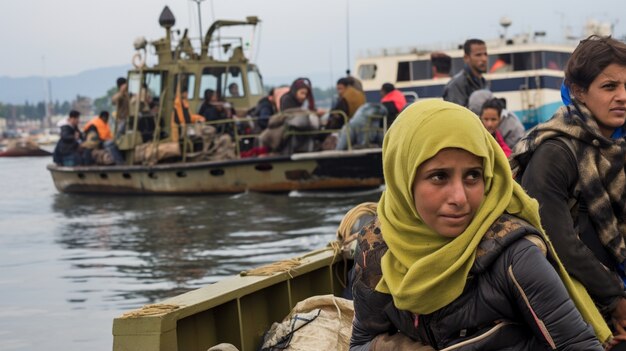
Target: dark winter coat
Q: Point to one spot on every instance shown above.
(68, 143)
(572, 234)
(461, 86)
(513, 300)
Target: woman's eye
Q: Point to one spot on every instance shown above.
(474, 175)
(437, 177)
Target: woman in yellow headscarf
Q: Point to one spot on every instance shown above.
(456, 258)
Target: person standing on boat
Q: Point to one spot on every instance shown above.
(393, 100)
(350, 99)
(456, 257)
(470, 79)
(121, 101)
(67, 151)
(574, 166)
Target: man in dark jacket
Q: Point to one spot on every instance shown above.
(66, 152)
(350, 99)
(470, 79)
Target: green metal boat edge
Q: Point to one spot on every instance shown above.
(236, 310)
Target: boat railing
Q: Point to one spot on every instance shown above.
(191, 131)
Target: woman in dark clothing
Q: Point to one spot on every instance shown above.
(456, 258)
(574, 166)
(208, 109)
(299, 91)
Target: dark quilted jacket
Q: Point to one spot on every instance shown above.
(513, 300)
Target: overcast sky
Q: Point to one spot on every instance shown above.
(296, 36)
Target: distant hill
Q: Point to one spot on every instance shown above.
(94, 83)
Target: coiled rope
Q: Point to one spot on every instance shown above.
(150, 310)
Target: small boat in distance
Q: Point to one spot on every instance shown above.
(23, 148)
(158, 162)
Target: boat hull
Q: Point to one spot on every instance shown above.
(24, 153)
(332, 170)
(236, 310)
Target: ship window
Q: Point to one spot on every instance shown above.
(500, 63)
(210, 79)
(254, 82)
(555, 60)
(404, 71)
(232, 84)
(421, 70)
(367, 71)
(524, 61)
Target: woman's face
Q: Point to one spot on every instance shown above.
(606, 98)
(301, 94)
(491, 119)
(448, 190)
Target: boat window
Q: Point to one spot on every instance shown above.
(367, 72)
(254, 82)
(500, 63)
(134, 82)
(421, 70)
(154, 81)
(211, 79)
(232, 82)
(457, 65)
(404, 71)
(191, 85)
(188, 82)
(524, 61)
(555, 60)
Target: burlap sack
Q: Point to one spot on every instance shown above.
(318, 323)
(148, 153)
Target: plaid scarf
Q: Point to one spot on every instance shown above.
(601, 161)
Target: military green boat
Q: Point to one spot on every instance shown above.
(237, 310)
(163, 158)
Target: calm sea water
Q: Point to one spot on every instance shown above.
(69, 264)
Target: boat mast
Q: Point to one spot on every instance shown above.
(348, 37)
(199, 18)
(46, 122)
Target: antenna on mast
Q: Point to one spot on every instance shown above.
(348, 37)
(46, 122)
(199, 18)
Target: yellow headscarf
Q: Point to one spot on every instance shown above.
(423, 270)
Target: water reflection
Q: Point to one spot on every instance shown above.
(70, 264)
(150, 248)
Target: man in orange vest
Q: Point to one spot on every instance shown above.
(98, 134)
(100, 125)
